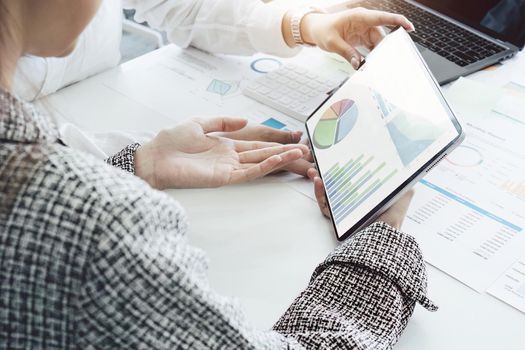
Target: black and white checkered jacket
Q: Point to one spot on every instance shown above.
(92, 258)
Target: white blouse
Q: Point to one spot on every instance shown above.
(225, 26)
(240, 27)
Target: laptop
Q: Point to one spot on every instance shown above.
(459, 37)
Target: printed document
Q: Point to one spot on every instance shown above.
(469, 214)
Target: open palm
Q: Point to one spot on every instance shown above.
(191, 155)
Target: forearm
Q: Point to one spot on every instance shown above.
(362, 296)
(142, 269)
(223, 26)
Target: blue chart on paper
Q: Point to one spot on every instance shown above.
(220, 87)
(265, 65)
(274, 123)
(471, 205)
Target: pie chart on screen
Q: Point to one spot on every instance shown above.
(335, 124)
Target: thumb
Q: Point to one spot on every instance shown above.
(224, 124)
(341, 47)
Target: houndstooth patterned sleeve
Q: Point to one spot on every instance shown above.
(93, 258)
(146, 287)
(362, 295)
(125, 159)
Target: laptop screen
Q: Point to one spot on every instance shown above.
(502, 19)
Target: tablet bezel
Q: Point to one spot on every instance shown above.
(418, 174)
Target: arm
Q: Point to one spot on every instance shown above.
(208, 153)
(144, 286)
(362, 295)
(225, 26)
(249, 26)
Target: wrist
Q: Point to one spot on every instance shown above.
(286, 28)
(307, 27)
(297, 26)
(145, 165)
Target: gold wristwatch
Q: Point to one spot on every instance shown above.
(295, 24)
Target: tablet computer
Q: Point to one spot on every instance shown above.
(379, 133)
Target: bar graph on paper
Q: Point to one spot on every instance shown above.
(349, 185)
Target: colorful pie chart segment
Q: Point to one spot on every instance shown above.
(335, 124)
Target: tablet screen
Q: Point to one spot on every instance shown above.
(385, 124)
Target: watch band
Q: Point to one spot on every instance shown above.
(295, 24)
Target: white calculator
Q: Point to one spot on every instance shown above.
(292, 90)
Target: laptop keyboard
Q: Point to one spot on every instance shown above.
(440, 36)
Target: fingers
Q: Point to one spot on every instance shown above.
(300, 167)
(381, 18)
(321, 196)
(262, 154)
(243, 146)
(284, 137)
(224, 124)
(312, 173)
(375, 36)
(309, 157)
(266, 134)
(251, 152)
(265, 167)
(338, 45)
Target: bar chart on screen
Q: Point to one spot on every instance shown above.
(349, 185)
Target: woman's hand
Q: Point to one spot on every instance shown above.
(394, 216)
(266, 134)
(193, 155)
(343, 32)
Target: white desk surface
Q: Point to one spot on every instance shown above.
(264, 239)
